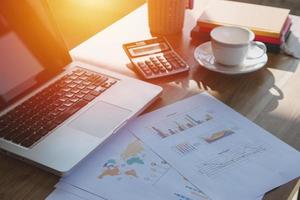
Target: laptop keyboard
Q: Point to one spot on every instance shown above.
(36, 117)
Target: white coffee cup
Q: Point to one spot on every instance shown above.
(230, 45)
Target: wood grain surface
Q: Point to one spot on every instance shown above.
(269, 97)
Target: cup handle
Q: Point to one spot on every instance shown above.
(260, 45)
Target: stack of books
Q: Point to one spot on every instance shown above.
(270, 25)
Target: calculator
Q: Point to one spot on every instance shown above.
(155, 58)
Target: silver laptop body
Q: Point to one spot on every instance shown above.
(33, 58)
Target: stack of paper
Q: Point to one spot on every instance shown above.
(292, 45)
(195, 149)
(270, 25)
(125, 168)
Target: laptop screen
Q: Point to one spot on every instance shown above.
(31, 48)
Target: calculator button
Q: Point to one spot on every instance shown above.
(171, 60)
(175, 65)
(144, 67)
(178, 60)
(169, 56)
(161, 68)
(164, 62)
(154, 69)
(149, 63)
(160, 65)
(161, 58)
(156, 62)
(182, 65)
(168, 67)
(148, 72)
(141, 64)
(174, 55)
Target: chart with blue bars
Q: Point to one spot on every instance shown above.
(185, 148)
(180, 123)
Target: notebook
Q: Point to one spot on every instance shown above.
(263, 20)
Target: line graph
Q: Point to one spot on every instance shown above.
(228, 158)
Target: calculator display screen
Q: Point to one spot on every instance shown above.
(148, 49)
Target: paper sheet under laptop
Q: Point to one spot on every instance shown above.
(218, 150)
(125, 168)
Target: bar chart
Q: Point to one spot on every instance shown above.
(184, 148)
(180, 123)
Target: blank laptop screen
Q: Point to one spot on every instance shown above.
(31, 48)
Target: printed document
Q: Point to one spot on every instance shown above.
(218, 150)
(125, 168)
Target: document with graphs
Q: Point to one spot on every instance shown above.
(125, 168)
(216, 149)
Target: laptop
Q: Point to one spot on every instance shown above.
(55, 111)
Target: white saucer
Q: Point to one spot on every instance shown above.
(203, 54)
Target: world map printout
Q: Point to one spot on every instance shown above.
(124, 168)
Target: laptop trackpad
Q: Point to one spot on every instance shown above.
(100, 119)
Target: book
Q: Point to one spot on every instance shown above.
(262, 20)
(196, 34)
(262, 38)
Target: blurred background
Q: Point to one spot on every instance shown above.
(80, 19)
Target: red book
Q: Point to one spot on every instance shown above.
(262, 38)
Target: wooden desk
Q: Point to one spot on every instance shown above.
(269, 97)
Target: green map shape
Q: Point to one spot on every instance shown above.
(135, 160)
(110, 162)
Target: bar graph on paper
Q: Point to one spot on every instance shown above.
(184, 148)
(180, 122)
